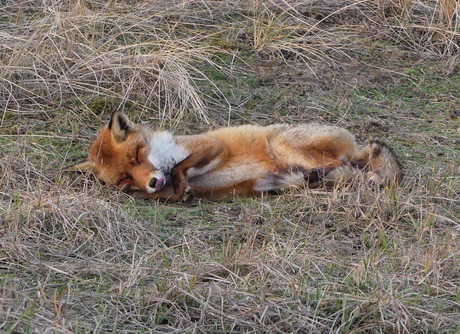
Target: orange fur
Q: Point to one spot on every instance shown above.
(242, 160)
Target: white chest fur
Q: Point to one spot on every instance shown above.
(164, 152)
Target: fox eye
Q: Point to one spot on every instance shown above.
(138, 155)
(135, 158)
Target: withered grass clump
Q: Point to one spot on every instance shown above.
(77, 256)
(450, 13)
(428, 25)
(70, 50)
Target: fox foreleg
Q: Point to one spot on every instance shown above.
(205, 157)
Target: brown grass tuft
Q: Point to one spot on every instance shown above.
(72, 51)
(449, 13)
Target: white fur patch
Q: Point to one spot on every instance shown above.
(164, 152)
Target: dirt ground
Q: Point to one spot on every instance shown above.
(78, 256)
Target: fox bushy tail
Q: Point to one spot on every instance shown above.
(376, 163)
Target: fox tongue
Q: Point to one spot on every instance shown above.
(159, 184)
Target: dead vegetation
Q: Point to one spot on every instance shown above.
(77, 256)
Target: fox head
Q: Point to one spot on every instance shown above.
(120, 156)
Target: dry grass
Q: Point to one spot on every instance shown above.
(427, 25)
(77, 256)
(81, 259)
(449, 13)
(69, 50)
(398, 8)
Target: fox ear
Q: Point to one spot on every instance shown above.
(82, 167)
(120, 126)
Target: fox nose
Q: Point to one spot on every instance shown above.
(153, 182)
(157, 183)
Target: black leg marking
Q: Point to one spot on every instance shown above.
(315, 175)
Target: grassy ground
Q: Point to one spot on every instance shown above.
(77, 256)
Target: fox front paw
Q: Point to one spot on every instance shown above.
(186, 196)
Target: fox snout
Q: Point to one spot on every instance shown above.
(156, 183)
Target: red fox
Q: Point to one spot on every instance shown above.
(234, 161)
